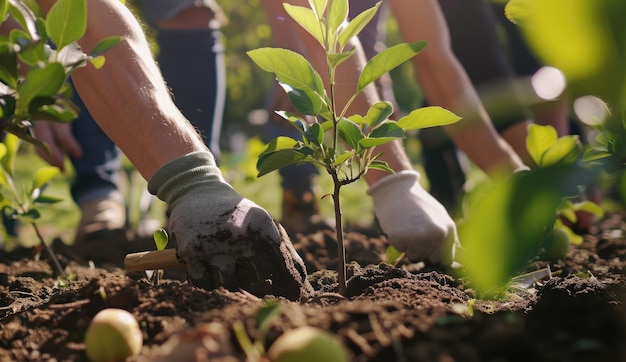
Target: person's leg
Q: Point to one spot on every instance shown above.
(95, 188)
(192, 64)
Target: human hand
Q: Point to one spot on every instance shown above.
(60, 141)
(225, 239)
(413, 220)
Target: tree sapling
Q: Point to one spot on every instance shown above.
(344, 145)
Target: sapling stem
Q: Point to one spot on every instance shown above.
(341, 250)
(53, 258)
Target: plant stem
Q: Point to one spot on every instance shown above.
(53, 257)
(341, 250)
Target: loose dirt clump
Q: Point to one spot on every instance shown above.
(405, 313)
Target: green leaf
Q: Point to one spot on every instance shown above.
(4, 8)
(319, 7)
(266, 314)
(290, 68)
(378, 113)
(272, 161)
(315, 134)
(280, 143)
(30, 52)
(384, 133)
(43, 175)
(306, 102)
(12, 143)
(343, 157)
(40, 82)
(392, 255)
(380, 166)
(358, 119)
(63, 110)
(160, 238)
(594, 154)
(48, 200)
(506, 223)
(337, 58)
(337, 13)
(308, 20)
(294, 119)
(566, 149)
(97, 62)
(388, 129)
(104, 45)
(356, 25)
(590, 207)
(387, 60)
(350, 132)
(427, 117)
(67, 21)
(8, 65)
(368, 142)
(539, 139)
(29, 216)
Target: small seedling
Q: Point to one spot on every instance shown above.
(161, 239)
(344, 145)
(113, 335)
(22, 202)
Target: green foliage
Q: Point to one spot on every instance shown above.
(344, 145)
(586, 40)
(18, 200)
(40, 91)
(22, 201)
(514, 220)
(161, 239)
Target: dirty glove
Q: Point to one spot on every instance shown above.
(225, 239)
(413, 220)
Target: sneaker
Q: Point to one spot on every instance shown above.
(100, 216)
(301, 215)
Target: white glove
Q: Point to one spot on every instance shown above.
(225, 239)
(413, 220)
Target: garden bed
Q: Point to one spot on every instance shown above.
(414, 313)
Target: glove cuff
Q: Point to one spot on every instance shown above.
(393, 179)
(182, 174)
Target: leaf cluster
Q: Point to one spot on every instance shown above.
(22, 200)
(342, 144)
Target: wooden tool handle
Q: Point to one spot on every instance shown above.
(152, 260)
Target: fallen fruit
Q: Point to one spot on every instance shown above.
(113, 335)
(307, 344)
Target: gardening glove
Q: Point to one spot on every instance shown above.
(414, 221)
(225, 239)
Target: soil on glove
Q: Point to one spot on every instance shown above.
(405, 313)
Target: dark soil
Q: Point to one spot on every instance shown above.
(411, 313)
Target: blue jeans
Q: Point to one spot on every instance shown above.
(97, 171)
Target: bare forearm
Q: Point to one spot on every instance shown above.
(446, 84)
